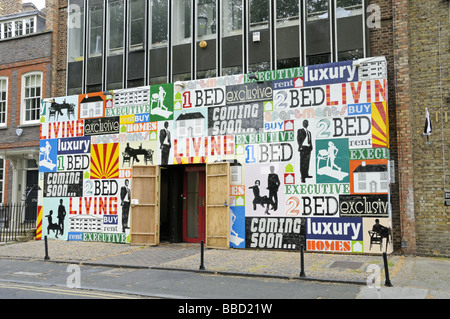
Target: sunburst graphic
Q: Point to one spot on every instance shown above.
(105, 161)
(39, 223)
(380, 125)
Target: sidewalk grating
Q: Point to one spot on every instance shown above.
(346, 264)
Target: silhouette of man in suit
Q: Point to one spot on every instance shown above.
(61, 215)
(165, 144)
(304, 141)
(273, 183)
(125, 197)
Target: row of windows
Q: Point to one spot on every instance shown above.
(16, 28)
(114, 44)
(30, 98)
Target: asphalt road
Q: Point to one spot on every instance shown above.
(40, 279)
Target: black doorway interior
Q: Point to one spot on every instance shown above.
(171, 201)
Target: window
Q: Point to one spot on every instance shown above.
(232, 37)
(259, 41)
(32, 94)
(287, 33)
(350, 29)
(75, 31)
(3, 101)
(116, 37)
(206, 18)
(206, 30)
(317, 32)
(94, 68)
(95, 28)
(115, 27)
(232, 17)
(75, 46)
(158, 47)
(137, 24)
(182, 21)
(7, 30)
(18, 28)
(29, 25)
(159, 26)
(182, 33)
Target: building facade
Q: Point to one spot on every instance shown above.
(116, 45)
(25, 78)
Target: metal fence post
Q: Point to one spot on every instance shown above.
(387, 282)
(202, 266)
(46, 249)
(302, 263)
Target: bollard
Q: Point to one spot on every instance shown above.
(46, 249)
(302, 264)
(387, 282)
(202, 267)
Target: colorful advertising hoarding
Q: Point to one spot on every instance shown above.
(312, 144)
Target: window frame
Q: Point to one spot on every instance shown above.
(29, 30)
(6, 79)
(335, 35)
(17, 25)
(23, 99)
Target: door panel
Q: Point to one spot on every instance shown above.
(144, 220)
(194, 204)
(217, 201)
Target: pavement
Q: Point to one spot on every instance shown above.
(408, 277)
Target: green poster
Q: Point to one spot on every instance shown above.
(161, 102)
(332, 160)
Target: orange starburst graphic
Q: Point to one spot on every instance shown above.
(380, 126)
(39, 223)
(105, 161)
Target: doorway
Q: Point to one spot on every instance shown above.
(182, 203)
(181, 197)
(194, 203)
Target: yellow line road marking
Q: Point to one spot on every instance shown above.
(65, 291)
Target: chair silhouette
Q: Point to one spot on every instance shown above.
(71, 110)
(52, 112)
(148, 157)
(376, 237)
(126, 158)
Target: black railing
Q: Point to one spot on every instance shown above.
(16, 219)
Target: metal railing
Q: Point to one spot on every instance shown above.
(16, 219)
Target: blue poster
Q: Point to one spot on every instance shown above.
(48, 151)
(237, 236)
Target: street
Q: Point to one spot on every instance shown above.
(49, 280)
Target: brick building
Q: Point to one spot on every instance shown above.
(25, 78)
(412, 35)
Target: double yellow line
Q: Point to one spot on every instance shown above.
(64, 291)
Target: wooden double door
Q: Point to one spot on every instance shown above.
(204, 209)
